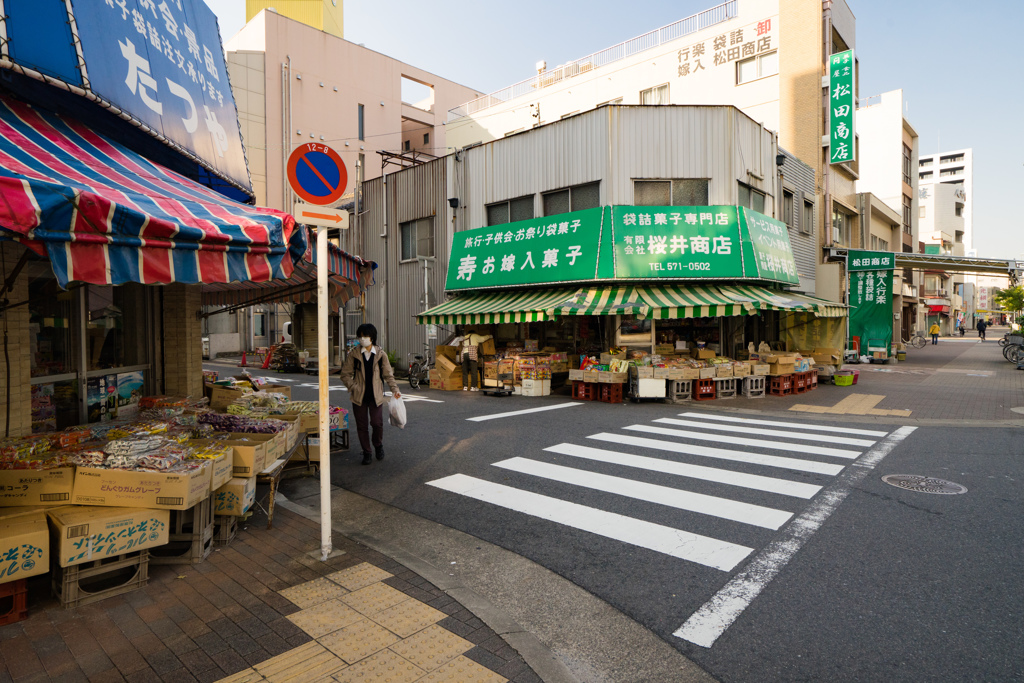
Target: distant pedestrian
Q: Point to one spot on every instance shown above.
(365, 371)
(962, 330)
(982, 326)
(934, 331)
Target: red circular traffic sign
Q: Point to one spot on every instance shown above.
(317, 173)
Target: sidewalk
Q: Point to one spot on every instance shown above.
(263, 608)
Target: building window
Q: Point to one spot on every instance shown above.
(617, 100)
(842, 225)
(417, 238)
(960, 210)
(574, 198)
(675, 192)
(951, 158)
(656, 95)
(878, 244)
(510, 211)
(426, 138)
(920, 212)
(907, 215)
(926, 174)
(788, 202)
(925, 162)
(754, 68)
(906, 164)
(951, 171)
(405, 146)
(362, 130)
(751, 198)
(807, 219)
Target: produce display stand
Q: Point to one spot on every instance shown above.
(645, 388)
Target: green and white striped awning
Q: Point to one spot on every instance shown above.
(609, 300)
(680, 301)
(501, 307)
(775, 300)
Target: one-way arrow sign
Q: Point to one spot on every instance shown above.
(320, 215)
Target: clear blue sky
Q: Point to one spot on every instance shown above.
(953, 60)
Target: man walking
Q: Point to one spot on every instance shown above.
(982, 326)
(934, 331)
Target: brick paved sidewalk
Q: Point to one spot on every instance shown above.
(263, 608)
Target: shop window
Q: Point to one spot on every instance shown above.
(754, 68)
(807, 219)
(674, 192)
(417, 238)
(115, 319)
(520, 209)
(574, 198)
(656, 95)
(751, 198)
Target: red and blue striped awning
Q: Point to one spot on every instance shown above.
(106, 215)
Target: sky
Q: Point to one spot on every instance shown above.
(955, 71)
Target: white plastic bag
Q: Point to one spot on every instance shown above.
(396, 412)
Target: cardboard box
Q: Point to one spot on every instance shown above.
(24, 546)
(253, 452)
(781, 368)
(487, 348)
(741, 369)
(689, 373)
(491, 369)
(682, 346)
(312, 444)
(450, 383)
(575, 375)
(723, 371)
(291, 436)
(449, 352)
(85, 534)
(536, 387)
(121, 488)
(447, 365)
(222, 469)
(222, 396)
(661, 373)
(309, 422)
(707, 373)
(36, 487)
(703, 354)
(235, 497)
(759, 369)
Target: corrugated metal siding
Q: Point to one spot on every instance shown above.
(799, 178)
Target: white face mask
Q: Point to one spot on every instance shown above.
(366, 342)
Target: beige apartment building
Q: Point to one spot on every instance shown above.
(766, 57)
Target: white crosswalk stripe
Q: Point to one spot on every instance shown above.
(846, 441)
(777, 423)
(683, 453)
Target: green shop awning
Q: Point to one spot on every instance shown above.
(679, 301)
(764, 299)
(501, 307)
(605, 301)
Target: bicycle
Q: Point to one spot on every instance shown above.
(1014, 349)
(419, 368)
(917, 340)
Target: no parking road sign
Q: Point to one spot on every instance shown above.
(317, 174)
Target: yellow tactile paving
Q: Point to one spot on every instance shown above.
(308, 662)
(383, 667)
(374, 598)
(359, 576)
(314, 592)
(324, 618)
(432, 647)
(358, 641)
(244, 676)
(463, 670)
(858, 404)
(408, 617)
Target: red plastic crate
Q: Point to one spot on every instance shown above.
(610, 393)
(801, 382)
(13, 593)
(703, 389)
(584, 391)
(780, 385)
(814, 378)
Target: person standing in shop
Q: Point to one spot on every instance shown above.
(469, 350)
(934, 331)
(364, 372)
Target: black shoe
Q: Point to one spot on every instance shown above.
(366, 458)
(380, 452)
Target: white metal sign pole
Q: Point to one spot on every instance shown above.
(323, 371)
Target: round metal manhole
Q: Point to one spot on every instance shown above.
(915, 482)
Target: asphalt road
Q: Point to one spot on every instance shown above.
(758, 569)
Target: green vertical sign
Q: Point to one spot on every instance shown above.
(843, 106)
(870, 287)
(773, 253)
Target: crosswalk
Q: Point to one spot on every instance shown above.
(750, 457)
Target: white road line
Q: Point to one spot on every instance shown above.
(767, 432)
(710, 621)
(685, 545)
(776, 423)
(724, 508)
(722, 454)
(481, 418)
(740, 441)
(784, 487)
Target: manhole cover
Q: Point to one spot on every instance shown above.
(915, 482)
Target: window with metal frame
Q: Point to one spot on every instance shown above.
(672, 192)
(417, 238)
(751, 198)
(576, 198)
(757, 67)
(510, 211)
(655, 95)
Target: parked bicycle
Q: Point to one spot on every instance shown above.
(1014, 349)
(419, 368)
(917, 340)
(1005, 340)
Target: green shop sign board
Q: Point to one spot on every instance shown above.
(870, 286)
(843, 106)
(625, 243)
